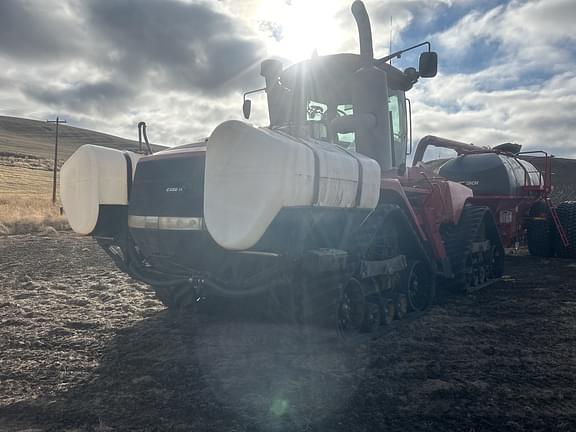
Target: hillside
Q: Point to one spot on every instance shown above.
(35, 138)
(563, 177)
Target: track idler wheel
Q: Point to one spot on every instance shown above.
(420, 286)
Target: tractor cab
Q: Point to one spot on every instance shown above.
(354, 101)
(333, 99)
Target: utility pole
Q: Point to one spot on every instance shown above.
(57, 122)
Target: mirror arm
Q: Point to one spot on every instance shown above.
(398, 54)
(252, 92)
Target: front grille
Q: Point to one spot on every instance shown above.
(170, 185)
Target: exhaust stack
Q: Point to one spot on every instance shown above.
(364, 32)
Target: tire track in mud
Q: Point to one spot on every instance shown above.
(85, 348)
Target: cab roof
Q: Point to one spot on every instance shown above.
(332, 72)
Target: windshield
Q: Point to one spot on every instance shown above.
(319, 115)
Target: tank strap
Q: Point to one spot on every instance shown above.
(128, 173)
(316, 191)
(360, 174)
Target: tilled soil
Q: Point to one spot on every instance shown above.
(84, 348)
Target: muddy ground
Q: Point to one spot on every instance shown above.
(83, 348)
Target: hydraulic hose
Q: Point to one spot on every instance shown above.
(142, 133)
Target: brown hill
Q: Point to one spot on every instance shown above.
(563, 177)
(19, 136)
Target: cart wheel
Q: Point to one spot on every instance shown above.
(540, 231)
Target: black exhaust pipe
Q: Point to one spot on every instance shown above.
(364, 32)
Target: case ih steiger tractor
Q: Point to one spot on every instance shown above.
(315, 218)
(517, 193)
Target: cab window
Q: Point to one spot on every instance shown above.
(346, 140)
(316, 120)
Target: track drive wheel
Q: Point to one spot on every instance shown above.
(567, 215)
(540, 231)
(420, 286)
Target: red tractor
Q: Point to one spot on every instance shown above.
(315, 218)
(517, 193)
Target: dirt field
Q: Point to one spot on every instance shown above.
(85, 349)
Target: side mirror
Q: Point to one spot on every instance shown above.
(247, 108)
(428, 64)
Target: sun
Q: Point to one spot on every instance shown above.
(297, 28)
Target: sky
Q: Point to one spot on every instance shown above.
(507, 70)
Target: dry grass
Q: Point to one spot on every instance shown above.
(26, 152)
(26, 201)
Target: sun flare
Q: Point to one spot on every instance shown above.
(297, 28)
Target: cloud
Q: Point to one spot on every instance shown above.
(530, 34)
(518, 83)
(537, 117)
(170, 44)
(506, 67)
(36, 31)
(101, 98)
(110, 64)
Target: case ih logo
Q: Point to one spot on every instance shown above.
(175, 189)
(470, 182)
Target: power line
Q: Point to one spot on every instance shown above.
(57, 122)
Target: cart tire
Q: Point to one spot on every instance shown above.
(567, 215)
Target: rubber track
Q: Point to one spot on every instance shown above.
(458, 241)
(316, 302)
(320, 301)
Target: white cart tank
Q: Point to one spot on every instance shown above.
(92, 177)
(252, 173)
